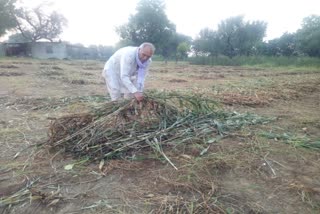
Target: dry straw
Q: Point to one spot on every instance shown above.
(161, 120)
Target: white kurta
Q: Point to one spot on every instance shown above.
(120, 73)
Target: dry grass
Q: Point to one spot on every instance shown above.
(243, 173)
(11, 74)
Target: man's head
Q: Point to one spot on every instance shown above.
(146, 50)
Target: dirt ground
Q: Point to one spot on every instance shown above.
(270, 168)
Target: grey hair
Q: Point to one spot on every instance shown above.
(147, 44)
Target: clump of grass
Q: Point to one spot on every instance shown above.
(78, 82)
(9, 66)
(55, 103)
(91, 68)
(50, 71)
(29, 193)
(13, 74)
(57, 68)
(294, 140)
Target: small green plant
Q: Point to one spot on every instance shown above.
(294, 140)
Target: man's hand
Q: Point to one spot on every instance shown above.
(138, 96)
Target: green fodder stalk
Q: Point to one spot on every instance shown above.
(122, 128)
(130, 123)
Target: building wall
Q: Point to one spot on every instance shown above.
(2, 50)
(47, 50)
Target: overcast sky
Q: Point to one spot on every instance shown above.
(94, 21)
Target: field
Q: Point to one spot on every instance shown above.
(272, 167)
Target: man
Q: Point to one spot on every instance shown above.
(126, 70)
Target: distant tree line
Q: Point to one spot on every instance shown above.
(233, 37)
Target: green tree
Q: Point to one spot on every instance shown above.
(228, 33)
(271, 48)
(18, 37)
(35, 24)
(182, 50)
(283, 46)
(287, 44)
(206, 43)
(7, 16)
(309, 36)
(250, 36)
(169, 48)
(149, 24)
(237, 37)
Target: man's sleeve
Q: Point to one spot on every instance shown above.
(125, 67)
(145, 77)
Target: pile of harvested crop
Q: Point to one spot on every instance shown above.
(116, 128)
